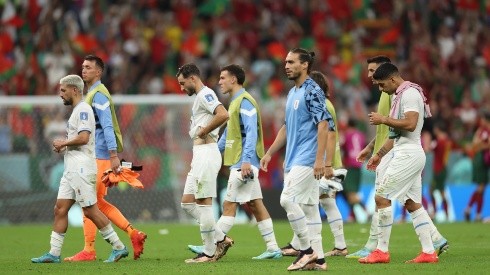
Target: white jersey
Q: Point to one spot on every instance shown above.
(81, 157)
(203, 112)
(411, 101)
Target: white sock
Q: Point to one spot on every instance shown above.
(56, 243)
(191, 209)
(297, 220)
(314, 222)
(334, 219)
(373, 233)
(223, 226)
(295, 242)
(266, 229)
(420, 219)
(225, 223)
(384, 226)
(207, 228)
(111, 237)
(435, 236)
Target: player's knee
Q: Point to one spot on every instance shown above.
(256, 205)
(89, 211)
(229, 208)
(60, 210)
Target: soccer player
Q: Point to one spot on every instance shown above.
(440, 243)
(442, 149)
(306, 126)
(78, 181)
(481, 165)
(243, 145)
(403, 177)
(328, 188)
(208, 114)
(108, 142)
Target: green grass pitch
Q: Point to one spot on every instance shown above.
(166, 250)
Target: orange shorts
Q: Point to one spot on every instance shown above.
(102, 165)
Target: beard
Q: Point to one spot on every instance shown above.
(67, 102)
(293, 76)
(189, 92)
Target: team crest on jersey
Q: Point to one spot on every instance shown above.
(209, 98)
(83, 116)
(296, 104)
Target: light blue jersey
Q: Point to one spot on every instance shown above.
(105, 139)
(248, 127)
(305, 108)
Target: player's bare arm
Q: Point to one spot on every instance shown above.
(278, 143)
(322, 134)
(409, 123)
(376, 158)
(367, 151)
(81, 139)
(220, 117)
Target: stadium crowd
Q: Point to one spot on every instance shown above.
(443, 45)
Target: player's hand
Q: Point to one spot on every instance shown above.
(319, 169)
(201, 134)
(115, 164)
(328, 172)
(58, 145)
(363, 155)
(376, 118)
(264, 162)
(246, 169)
(373, 162)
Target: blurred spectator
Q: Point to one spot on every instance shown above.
(481, 166)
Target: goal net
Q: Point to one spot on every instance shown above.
(155, 135)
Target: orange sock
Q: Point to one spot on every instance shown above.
(89, 232)
(115, 216)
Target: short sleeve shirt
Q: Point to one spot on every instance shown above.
(81, 157)
(203, 108)
(305, 108)
(411, 101)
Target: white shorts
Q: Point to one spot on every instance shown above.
(242, 191)
(205, 165)
(403, 178)
(300, 186)
(79, 187)
(382, 167)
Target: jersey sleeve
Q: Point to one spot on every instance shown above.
(208, 100)
(86, 120)
(411, 101)
(102, 108)
(315, 103)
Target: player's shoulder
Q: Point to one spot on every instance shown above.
(100, 97)
(411, 93)
(312, 89)
(207, 95)
(84, 107)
